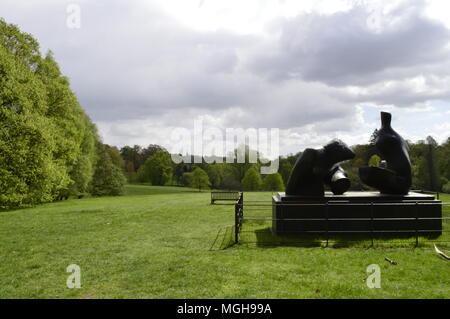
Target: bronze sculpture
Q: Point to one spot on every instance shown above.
(394, 174)
(316, 167)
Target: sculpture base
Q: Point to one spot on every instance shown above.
(369, 213)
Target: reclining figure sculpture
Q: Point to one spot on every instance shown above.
(394, 174)
(316, 167)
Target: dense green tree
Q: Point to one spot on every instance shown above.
(186, 179)
(215, 173)
(252, 180)
(132, 154)
(199, 179)
(432, 165)
(148, 151)
(29, 174)
(443, 155)
(285, 169)
(273, 182)
(108, 179)
(47, 142)
(157, 169)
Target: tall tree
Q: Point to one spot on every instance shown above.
(157, 168)
(108, 178)
(433, 167)
(199, 179)
(273, 182)
(252, 180)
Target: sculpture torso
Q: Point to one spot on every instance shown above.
(395, 178)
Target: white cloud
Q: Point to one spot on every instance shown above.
(315, 69)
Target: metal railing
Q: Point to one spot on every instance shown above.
(260, 226)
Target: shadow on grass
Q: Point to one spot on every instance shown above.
(265, 238)
(224, 238)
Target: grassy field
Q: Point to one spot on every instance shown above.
(155, 242)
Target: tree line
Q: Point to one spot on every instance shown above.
(49, 148)
(430, 165)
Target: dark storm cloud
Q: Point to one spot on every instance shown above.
(347, 48)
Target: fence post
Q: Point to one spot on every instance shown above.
(236, 222)
(238, 216)
(326, 225)
(417, 224)
(371, 222)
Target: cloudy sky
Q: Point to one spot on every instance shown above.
(316, 70)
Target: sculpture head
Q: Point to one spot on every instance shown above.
(386, 119)
(337, 151)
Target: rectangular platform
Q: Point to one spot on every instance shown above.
(369, 213)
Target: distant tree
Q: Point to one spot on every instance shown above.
(215, 173)
(446, 188)
(114, 153)
(108, 179)
(433, 167)
(132, 154)
(443, 155)
(179, 171)
(199, 179)
(130, 172)
(230, 182)
(157, 168)
(285, 169)
(273, 182)
(186, 180)
(150, 150)
(373, 137)
(374, 160)
(252, 180)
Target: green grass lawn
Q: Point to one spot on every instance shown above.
(155, 242)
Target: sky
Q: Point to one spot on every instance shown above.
(315, 70)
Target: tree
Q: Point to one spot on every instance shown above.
(133, 155)
(199, 179)
(215, 173)
(47, 142)
(433, 167)
(150, 150)
(273, 182)
(108, 179)
(186, 179)
(157, 169)
(252, 180)
(285, 169)
(374, 160)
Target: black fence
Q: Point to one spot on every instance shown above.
(254, 220)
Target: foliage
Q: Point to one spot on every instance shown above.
(157, 169)
(199, 179)
(374, 160)
(252, 180)
(108, 178)
(47, 142)
(273, 182)
(285, 169)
